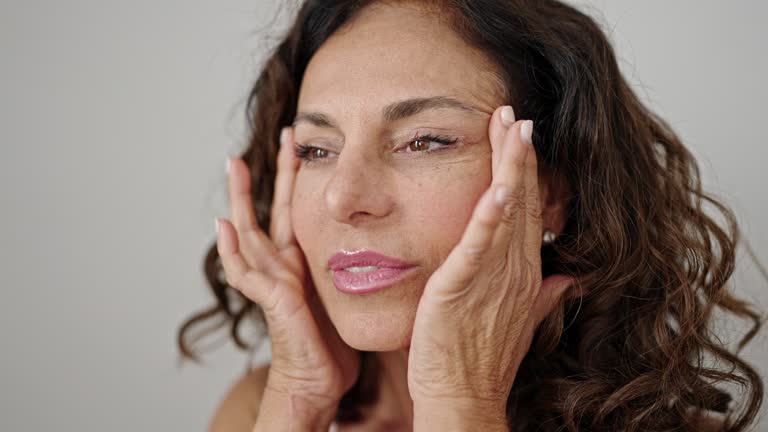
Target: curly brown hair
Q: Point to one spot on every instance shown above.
(638, 350)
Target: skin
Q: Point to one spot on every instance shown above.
(400, 203)
(371, 188)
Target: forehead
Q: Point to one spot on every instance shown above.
(394, 52)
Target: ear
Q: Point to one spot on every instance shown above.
(552, 289)
(555, 194)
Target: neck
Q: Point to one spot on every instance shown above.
(395, 400)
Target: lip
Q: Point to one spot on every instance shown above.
(343, 259)
(390, 271)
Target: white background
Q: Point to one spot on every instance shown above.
(115, 120)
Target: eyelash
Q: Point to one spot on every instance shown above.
(303, 152)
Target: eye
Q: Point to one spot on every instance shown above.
(309, 153)
(418, 145)
(317, 153)
(422, 143)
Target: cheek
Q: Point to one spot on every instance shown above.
(304, 217)
(441, 208)
(433, 207)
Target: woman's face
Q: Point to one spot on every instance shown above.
(370, 184)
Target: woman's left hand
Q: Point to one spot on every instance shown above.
(479, 310)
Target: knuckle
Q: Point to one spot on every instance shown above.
(485, 220)
(473, 256)
(271, 300)
(232, 275)
(232, 280)
(250, 229)
(508, 218)
(518, 198)
(530, 264)
(532, 205)
(519, 161)
(517, 201)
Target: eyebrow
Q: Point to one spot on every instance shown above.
(394, 111)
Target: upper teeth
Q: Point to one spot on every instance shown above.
(361, 269)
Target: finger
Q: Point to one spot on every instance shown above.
(511, 172)
(256, 247)
(501, 120)
(239, 194)
(552, 290)
(280, 229)
(466, 259)
(254, 284)
(533, 219)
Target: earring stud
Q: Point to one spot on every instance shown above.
(549, 237)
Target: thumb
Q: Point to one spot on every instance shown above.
(552, 289)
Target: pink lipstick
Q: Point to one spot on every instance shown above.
(366, 271)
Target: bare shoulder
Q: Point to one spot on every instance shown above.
(237, 411)
(708, 421)
(713, 425)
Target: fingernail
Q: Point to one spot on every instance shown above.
(228, 164)
(507, 116)
(216, 223)
(502, 193)
(283, 136)
(526, 132)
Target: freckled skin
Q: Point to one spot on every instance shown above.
(371, 192)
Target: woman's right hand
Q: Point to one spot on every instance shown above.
(310, 363)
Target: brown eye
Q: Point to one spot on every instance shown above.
(418, 145)
(319, 153)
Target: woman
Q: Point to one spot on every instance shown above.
(456, 215)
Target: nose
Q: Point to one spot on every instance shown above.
(358, 190)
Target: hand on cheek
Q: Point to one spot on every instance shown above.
(480, 308)
(311, 366)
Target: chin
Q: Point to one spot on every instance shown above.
(375, 322)
(376, 331)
